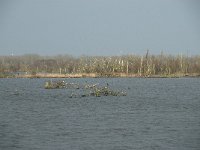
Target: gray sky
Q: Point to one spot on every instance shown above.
(99, 27)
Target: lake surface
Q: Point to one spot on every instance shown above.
(156, 114)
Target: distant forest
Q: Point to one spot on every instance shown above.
(145, 65)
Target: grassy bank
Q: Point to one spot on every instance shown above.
(96, 75)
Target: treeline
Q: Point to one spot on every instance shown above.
(145, 65)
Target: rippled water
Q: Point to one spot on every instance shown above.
(156, 114)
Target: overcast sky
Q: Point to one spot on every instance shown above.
(99, 27)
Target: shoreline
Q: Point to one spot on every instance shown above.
(96, 75)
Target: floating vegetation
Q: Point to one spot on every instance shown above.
(54, 85)
(62, 84)
(84, 90)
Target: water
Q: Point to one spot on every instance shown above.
(156, 114)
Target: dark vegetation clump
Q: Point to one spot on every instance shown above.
(84, 90)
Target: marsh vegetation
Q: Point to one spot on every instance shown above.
(84, 90)
(100, 66)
